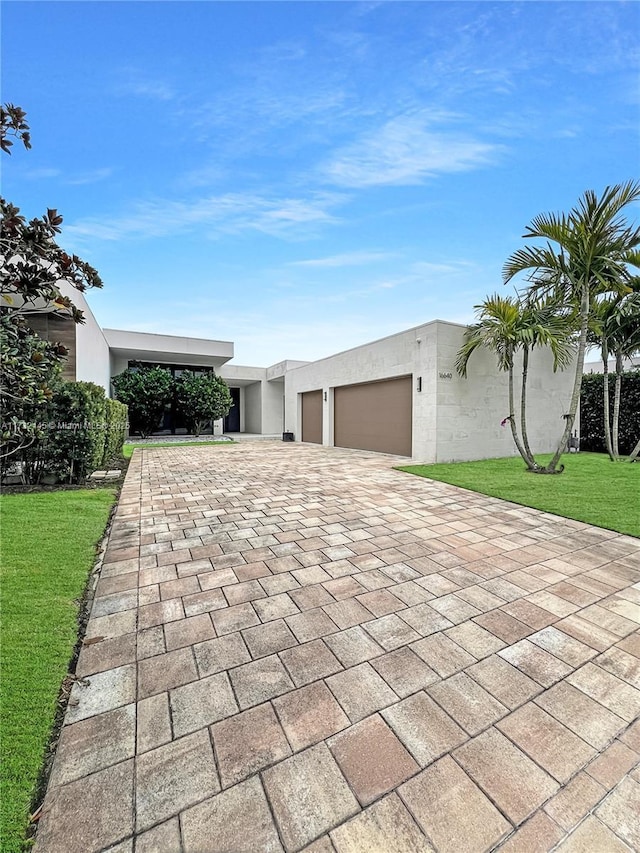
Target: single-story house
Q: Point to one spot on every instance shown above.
(400, 394)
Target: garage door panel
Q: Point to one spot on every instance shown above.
(312, 417)
(375, 416)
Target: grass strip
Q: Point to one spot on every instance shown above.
(127, 449)
(48, 550)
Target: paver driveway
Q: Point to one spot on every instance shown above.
(301, 646)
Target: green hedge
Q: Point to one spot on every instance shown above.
(115, 431)
(592, 411)
(72, 432)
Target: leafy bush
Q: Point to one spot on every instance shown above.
(592, 411)
(74, 435)
(146, 391)
(115, 431)
(202, 397)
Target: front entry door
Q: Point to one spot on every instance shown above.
(232, 420)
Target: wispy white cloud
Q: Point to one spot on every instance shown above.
(346, 259)
(407, 151)
(134, 82)
(230, 213)
(91, 177)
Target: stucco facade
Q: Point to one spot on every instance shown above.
(452, 418)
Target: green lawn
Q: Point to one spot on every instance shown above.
(591, 488)
(48, 550)
(127, 449)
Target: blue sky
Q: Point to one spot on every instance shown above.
(304, 177)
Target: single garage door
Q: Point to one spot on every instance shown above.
(312, 417)
(374, 416)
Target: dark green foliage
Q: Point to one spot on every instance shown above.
(146, 391)
(115, 431)
(33, 264)
(202, 397)
(592, 412)
(72, 446)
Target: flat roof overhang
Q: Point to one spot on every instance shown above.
(168, 349)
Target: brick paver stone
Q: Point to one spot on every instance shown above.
(620, 811)
(173, 777)
(514, 783)
(248, 742)
(309, 796)
(469, 704)
(592, 835)
(95, 743)
(309, 715)
(551, 745)
(361, 691)
(238, 819)
(165, 837)
(452, 810)
(102, 692)
(157, 674)
(353, 646)
(539, 833)
(260, 681)
(509, 686)
(386, 826)
(424, 728)
(89, 814)
(573, 802)
(309, 662)
(201, 703)
(590, 720)
(612, 764)
(535, 662)
(222, 653)
(404, 671)
(372, 758)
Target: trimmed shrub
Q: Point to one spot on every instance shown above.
(115, 431)
(147, 391)
(73, 430)
(202, 398)
(592, 411)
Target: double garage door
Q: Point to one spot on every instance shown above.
(369, 416)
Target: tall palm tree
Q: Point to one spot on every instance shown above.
(615, 327)
(505, 326)
(588, 253)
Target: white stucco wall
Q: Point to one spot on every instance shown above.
(92, 349)
(273, 406)
(469, 411)
(253, 408)
(453, 418)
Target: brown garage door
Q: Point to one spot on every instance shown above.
(312, 417)
(374, 416)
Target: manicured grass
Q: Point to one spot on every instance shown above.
(48, 550)
(591, 488)
(127, 449)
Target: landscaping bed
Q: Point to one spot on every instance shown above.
(591, 489)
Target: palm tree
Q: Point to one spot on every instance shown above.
(506, 325)
(615, 326)
(587, 254)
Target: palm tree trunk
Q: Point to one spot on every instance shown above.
(635, 452)
(616, 405)
(577, 384)
(606, 408)
(512, 422)
(523, 410)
